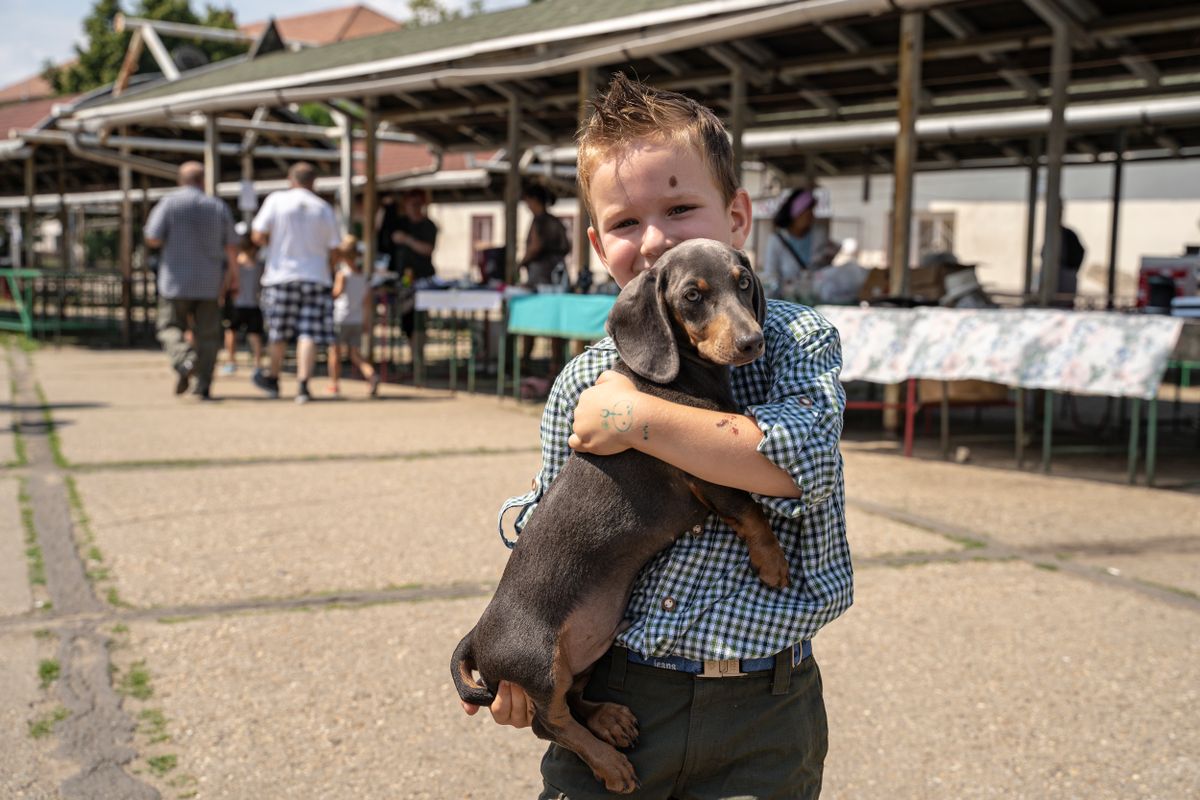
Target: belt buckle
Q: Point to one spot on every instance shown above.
(722, 668)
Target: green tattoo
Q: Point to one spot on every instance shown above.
(621, 415)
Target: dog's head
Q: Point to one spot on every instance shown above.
(700, 294)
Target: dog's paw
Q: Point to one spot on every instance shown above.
(772, 568)
(613, 723)
(617, 775)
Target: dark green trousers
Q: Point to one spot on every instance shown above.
(707, 738)
(203, 318)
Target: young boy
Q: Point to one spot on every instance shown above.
(656, 169)
(242, 306)
(351, 298)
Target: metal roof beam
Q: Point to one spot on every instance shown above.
(1055, 16)
(672, 64)
(852, 42)
(962, 29)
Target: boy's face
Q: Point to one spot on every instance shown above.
(653, 196)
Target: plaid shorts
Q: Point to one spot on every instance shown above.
(293, 310)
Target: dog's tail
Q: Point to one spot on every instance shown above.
(462, 664)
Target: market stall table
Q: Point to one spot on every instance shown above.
(564, 316)
(1096, 353)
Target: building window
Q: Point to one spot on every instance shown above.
(481, 235)
(933, 232)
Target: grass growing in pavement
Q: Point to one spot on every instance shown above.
(42, 727)
(161, 765)
(136, 682)
(60, 460)
(153, 725)
(48, 671)
(33, 553)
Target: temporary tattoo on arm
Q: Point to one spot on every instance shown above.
(620, 416)
(732, 423)
(646, 432)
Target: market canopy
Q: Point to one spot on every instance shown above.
(804, 65)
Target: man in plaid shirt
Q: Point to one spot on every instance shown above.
(198, 265)
(716, 667)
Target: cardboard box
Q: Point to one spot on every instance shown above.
(926, 284)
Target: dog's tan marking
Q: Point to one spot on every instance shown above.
(716, 340)
(702, 285)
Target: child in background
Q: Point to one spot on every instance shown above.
(242, 314)
(351, 297)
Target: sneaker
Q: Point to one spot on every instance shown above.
(268, 385)
(374, 383)
(302, 397)
(228, 369)
(183, 373)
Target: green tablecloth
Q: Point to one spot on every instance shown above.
(570, 316)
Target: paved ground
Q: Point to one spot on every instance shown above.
(262, 598)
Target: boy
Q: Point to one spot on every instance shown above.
(655, 169)
(351, 299)
(242, 306)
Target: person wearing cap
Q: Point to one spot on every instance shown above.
(796, 250)
(199, 262)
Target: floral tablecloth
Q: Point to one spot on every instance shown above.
(1109, 354)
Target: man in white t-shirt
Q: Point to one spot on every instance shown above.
(301, 237)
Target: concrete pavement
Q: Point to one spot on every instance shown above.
(281, 588)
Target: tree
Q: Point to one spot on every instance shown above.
(431, 12)
(100, 61)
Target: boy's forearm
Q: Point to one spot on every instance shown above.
(718, 447)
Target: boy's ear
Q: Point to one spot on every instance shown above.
(641, 329)
(760, 297)
(741, 217)
(597, 245)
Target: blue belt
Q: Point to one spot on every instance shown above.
(720, 668)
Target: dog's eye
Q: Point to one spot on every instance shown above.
(692, 296)
(744, 283)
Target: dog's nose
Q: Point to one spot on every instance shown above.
(750, 344)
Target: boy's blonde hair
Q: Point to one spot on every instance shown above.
(348, 249)
(630, 110)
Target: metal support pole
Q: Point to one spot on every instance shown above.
(212, 155)
(583, 246)
(247, 179)
(370, 204)
(1035, 146)
(126, 251)
(1134, 435)
(1151, 440)
(64, 216)
(1020, 419)
(1047, 430)
(912, 25)
(29, 228)
(512, 192)
(1056, 144)
(1114, 227)
(346, 187)
(737, 97)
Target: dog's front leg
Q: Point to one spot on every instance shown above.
(738, 510)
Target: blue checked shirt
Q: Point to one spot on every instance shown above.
(700, 598)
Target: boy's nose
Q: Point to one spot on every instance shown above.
(655, 242)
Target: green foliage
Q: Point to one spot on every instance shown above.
(316, 114)
(98, 62)
(43, 726)
(431, 12)
(48, 671)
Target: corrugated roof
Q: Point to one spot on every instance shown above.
(329, 26)
(531, 19)
(21, 116)
(34, 87)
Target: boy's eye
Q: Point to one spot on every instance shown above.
(692, 296)
(625, 223)
(680, 210)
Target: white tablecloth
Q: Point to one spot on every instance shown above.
(1099, 353)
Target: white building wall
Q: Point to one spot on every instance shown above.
(1160, 215)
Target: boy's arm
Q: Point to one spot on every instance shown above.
(715, 446)
(784, 447)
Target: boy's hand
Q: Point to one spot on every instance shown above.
(606, 416)
(511, 707)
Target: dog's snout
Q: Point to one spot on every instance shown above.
(750, 344)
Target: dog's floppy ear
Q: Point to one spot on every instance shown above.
(641, 329)
(760, 297)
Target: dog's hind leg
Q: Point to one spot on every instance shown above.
(552, 720)
(739, 511)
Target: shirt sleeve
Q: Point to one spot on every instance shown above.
(156, 225)
(801, 417)
(335, 236)
(265, 217)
